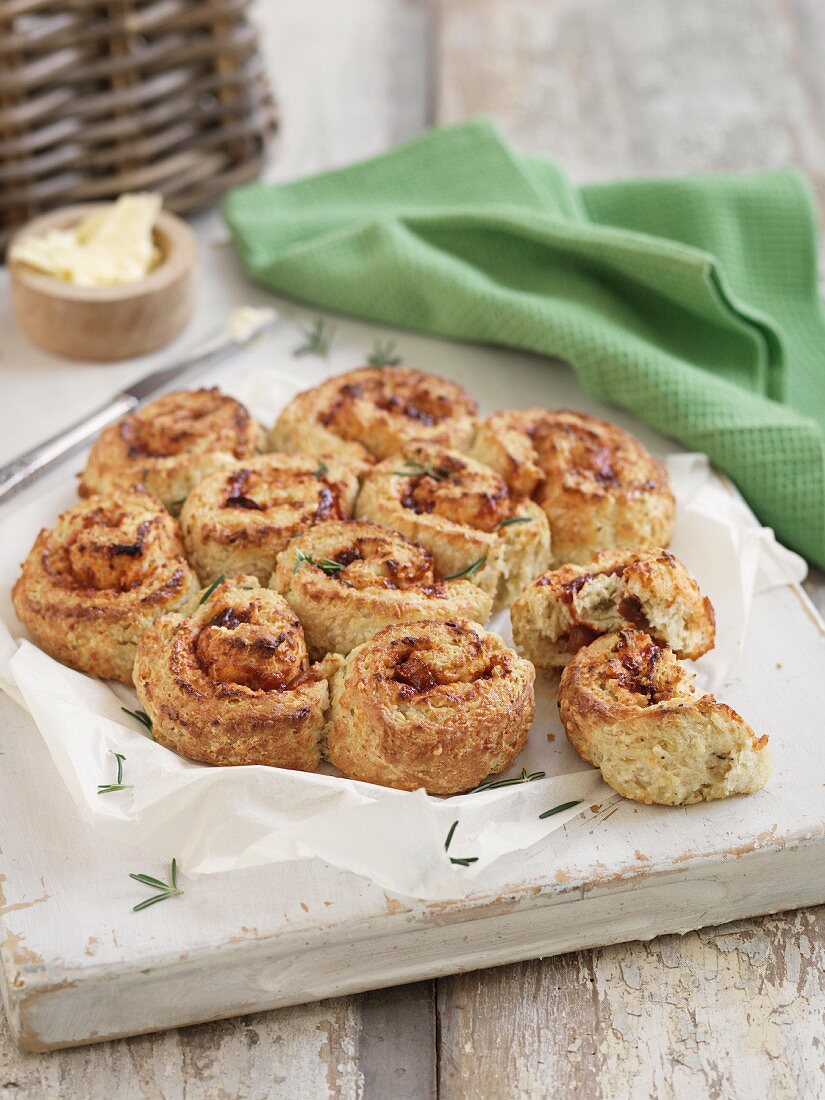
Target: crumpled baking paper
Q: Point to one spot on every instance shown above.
(217, 819)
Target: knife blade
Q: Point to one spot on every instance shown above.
(245, 326)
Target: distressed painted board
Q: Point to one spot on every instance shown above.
(78, 966)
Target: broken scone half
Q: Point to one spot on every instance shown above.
(630, 707)
(649, 590)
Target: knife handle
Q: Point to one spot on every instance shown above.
(26, 467)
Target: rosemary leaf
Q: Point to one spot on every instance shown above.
(140, 715)
(453, 828)
(512, 520)
(108, 788)
(418, 469)
(326, 564)
(153, 900)
(463, 861)
(496, 783)
(318, 339)
(558, 809)
(383, 354)
(166, 889)
(322, 470)
(470, 571)
(211, 589)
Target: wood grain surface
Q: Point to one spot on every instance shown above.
(610, 87)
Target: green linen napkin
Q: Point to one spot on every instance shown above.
(691, 302)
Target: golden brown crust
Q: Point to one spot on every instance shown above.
(629, 707)
(238, 519)
(347, 580)
(648, 589)
(93, 583)
(230, 682)
(600, 488)
(433, 705)
(463, 513)
(170, 444)
(371, 412)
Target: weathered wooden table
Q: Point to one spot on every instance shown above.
(610, 87)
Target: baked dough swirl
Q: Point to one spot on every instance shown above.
(92, 584)
(630, 708)
(648, 589)
(371, 412)
(463, 513)
(238, 519)
(231, 683)
(347, 580)
(170, 444)
(433, 705)
(600, 488)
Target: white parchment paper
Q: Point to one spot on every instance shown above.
(217, 819)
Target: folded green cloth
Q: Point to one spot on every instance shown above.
(691, 302)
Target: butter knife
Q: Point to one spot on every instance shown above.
(244, 327)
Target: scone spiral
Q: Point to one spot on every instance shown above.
(463, 513)
(230, 682)
(432, 705)
(347, 580)
(629, 707)
(238, 519)
(170, 444)
(600, 488)
(371, 412)
(647, 589)
(92, 584)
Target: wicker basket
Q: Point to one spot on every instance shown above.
(97, 99)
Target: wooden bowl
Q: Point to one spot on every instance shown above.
(107, 323)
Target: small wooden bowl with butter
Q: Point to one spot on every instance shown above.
(106, 322)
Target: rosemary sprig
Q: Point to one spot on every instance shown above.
(141, 716)
(419, 469)
(211, 589)
(383, 354)
(118, 785)
(558, 809)
(166, 889)
(326, 564)
(318, 339)
(470, 571)
(322, 469)
(496, 783)
(462, 861)
(512, 520)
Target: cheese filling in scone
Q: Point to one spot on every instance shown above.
(629, 707)
(239, 519)
(93, 583)
(230, 682)
(345, 581)
(170, 444)
(600, 488)
(432, 705)
(369, 413)
(649, 589)
(463, 513)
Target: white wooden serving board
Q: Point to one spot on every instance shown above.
(79, 966)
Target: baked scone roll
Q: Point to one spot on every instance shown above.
(371, 412)
(631, 708)
(93, 583)
(239, 519)
(170, 444)
(347, 580)
(647, 589)
(600, 488)
(230, 682)
(463, 513)
(432, 705)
